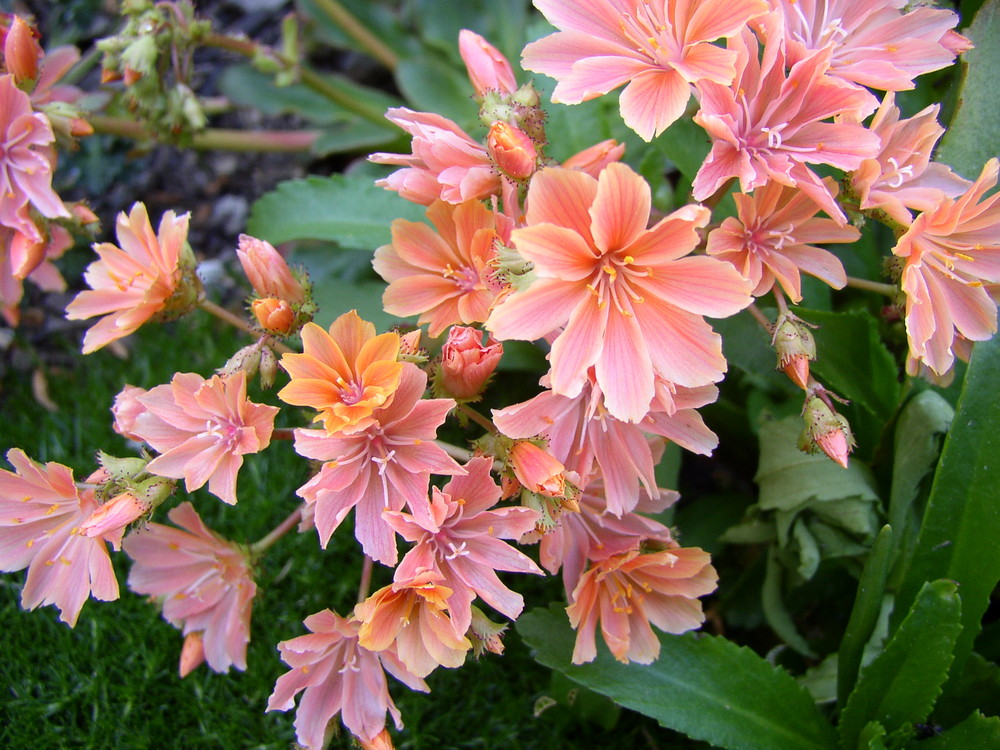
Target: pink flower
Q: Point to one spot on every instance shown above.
(202, 429)
(631, 305)
(440, 276)
(413, 615)
(627, 592)
(461, 539)
(467, 363)
(26, 162)
(771, 241)
(658, 49)
(205, 583)
(488, 69)
(873, 43)
(445, 164)
(768, 124)
(594, 159)
(134, 284)
(902, 175)
(267, 271)
(41, 511)
(948, 253)
(337, 676)
(25, 256)
(384, 467)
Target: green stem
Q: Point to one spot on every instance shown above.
(366, 579)
(761, 318)
(359, 32)
(257, 549)
(459, 454)
(237, 322)
(214, 139)
(889, 290)
(476, 417)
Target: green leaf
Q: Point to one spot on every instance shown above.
(899, 687)
(352, 135)
(852, 360)
(975, 733)
(705, 686)
(978, 689)
(349, 211)
(975, 128)
(686, 144)
(961, 525)
(774, 607)
(864, 614)
(431, 85)
(337, 297)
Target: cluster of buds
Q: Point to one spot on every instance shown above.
(282, 301)
(794, 344)
(825, 429)
(127, 493)
(152, 55)
(256, 358)
(466, 364)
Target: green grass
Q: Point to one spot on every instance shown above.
(112, 681)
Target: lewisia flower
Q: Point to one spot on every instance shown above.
(627, 592)
(203, 581)
(466, 363)
(902, 176)
(202, 429)
(339, 677)
(21, 256)
(631, 304)
(773, 240)
(441, 276)
(26, 162)
(658, 48)
(413, 614)
(948, 253)
(344, 374)
(768, 124)
(461, 539)
(383, 467)
(873, 43)
(148, 277)
(41, 511)
(445, 164)
(488, 69)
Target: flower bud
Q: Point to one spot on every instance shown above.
(192, 653)
(115, 514)
(512, 149)
(381, 741)
(246, 360)
(268, 368)
(274, 315)
(267, 271)
(825, 430)
(21, 52)
(537, 469)
(795, 347)
(125, 410)
(485, 634)
(466, 363)
(488, 68)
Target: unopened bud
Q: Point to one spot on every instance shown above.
(83, 214)
(267, 271)
(139, 58)
(21, 52)
(825, 430)
(192, 653)
(274, 315)
(513, 150)
(125, 410)
(485, 634)
(794, 344)
(466, 363)
(381, 741)
(488, 69)
(246, 360)
(537, 469)
(114, 515)
(268, 368)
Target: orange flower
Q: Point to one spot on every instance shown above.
(345, 374)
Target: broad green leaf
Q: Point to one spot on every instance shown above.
(747, 346)
(852, 360)
(705, 686)
(431, 85)
(975, 128)
(899, 687)
(352, 135)
(686, 144)
(961, 525)
(977, 732)
(864, 614)
(337, 297)
(872, 737)
(978, 689)
(351, 212)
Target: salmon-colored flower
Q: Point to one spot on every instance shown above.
(337, 676)
(267, 271)
(41, 512)
(948, 253)
(627, 592)
(203, 581)
(414, 616)
(488, 69)
(659, 49)
(26, 257)
(875, 43)
(461, 539)
(151, 276)
(26, 162)
(383, 467)
(441, 276)
(466, 363)
(344, 374)
(446, 163)
(768, 125)
(902, 176)
(594, 159)
(537, 469)
(202, 429)
(774, 239)
(631, 304)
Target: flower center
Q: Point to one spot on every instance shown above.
(613, 281)
(465, 278)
